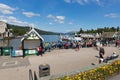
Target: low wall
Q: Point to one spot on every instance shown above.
(52, 77)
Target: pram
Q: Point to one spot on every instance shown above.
(113, 56)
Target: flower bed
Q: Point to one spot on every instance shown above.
(99, 73)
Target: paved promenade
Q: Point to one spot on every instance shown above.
(117, 77)
(8, 62)
(60, 61)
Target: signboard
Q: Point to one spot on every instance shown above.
(30, 51)
(16, 53)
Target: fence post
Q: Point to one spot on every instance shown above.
(30, 75)
(35, 76)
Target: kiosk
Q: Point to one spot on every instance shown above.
(30, 42)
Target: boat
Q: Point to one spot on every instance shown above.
(64, 38)
(77, 37)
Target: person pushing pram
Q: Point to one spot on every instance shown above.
(101, 54)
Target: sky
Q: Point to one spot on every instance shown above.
(61, 15)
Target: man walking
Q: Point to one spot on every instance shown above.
(101, 54)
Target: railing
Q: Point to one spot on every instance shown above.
(31, 76)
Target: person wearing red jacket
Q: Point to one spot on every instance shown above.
(40, 49)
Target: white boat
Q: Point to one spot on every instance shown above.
(65, 38)
(77, 37)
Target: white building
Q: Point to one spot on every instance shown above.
(4, 31)
(3, 27)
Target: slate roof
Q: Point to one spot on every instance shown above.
(108, 34)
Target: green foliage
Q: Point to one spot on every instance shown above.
(100, 30)
(21, 30)
(18, 30)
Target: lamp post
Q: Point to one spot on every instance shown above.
(8, 35)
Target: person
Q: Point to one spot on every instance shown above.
(78, 45)
(114, 55)
(40, 49)
(101, 54)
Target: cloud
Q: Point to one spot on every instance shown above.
(30, 14)
(111, 15)
(50, 23)
(70, 23)
(59, 19)
(51, 16)
(5, 9)
(98, 2)
(84, 2)
(68, 1)
(13, 20)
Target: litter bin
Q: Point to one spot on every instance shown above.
(44, 70)
(7, 50)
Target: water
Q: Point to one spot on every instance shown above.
(50, 38)
(16, 43)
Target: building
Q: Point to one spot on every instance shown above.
(118, 35)
(4, 31)
(32, 37)
(31, 41)
(3, 28)
(109, 35)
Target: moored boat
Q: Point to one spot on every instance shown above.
(77, 37)
(65, 38)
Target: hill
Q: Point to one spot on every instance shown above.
(21, 30)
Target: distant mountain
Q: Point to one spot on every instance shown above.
(21, 30)
(71, 32)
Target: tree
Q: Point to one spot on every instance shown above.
(118, 28)
(112, 29)
(81, 31)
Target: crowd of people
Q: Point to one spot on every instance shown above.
(48, 46)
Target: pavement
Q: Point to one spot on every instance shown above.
(8, 62)
(116, 77)
(60, 61)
